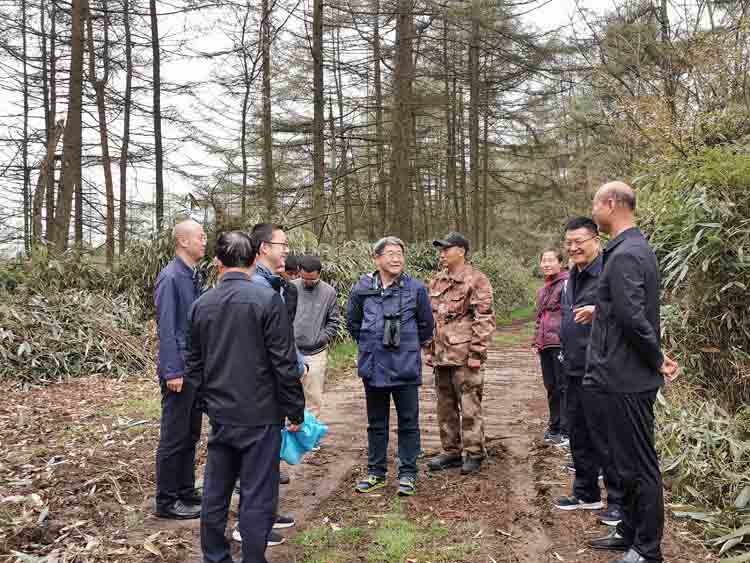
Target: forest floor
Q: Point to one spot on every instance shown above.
(77, 465)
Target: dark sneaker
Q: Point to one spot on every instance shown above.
(611, 542)
(445, 461)
(562, 442)
(574, 503)
(611, 516)
(178, 510)
(283, 522)
(371, 483)
(407, 487)
(471, 465)
(551, 437)
(275, 539)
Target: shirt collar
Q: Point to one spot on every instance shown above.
(183, 266)
(231, 276)
(632, 232)
(594, 268)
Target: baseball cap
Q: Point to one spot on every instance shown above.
(452, 239)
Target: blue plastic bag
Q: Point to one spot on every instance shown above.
(294, 445)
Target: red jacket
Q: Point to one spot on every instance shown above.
(549, 313)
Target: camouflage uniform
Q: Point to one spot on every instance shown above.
(464, 323)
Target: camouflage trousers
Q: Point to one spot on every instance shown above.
(459, 408)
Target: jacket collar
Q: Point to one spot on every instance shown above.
(563, 275)
(234, 276)
(275, 281)
(593, 269)
(183, 267)
(632, 232)
(457, 276)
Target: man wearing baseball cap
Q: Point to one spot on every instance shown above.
(461, 299)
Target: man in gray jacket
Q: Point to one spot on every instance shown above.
(315, 326)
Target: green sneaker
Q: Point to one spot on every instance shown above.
(407, 487)
(371, 483)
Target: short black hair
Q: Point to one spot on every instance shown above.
(234, 249)
(263, 232)
(582, 222)
(292, 263)
(311, 264)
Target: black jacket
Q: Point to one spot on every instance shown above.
(241, 355)
(579, 291)
(625, 352)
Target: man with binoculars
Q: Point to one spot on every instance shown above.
(464, 322)
(390, 318)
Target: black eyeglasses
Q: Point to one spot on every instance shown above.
(579, 242)
(282, 244)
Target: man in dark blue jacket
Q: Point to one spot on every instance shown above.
(390, 316)
(241, 357)
(625, 367)
(176, 290)
(584, 415)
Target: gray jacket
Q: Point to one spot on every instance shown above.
(318, 317)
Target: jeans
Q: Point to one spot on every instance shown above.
(406, 399)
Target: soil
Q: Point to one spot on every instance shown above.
(76, 476)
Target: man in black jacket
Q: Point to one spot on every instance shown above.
(584, 415)
(241, 357)
(625, 369)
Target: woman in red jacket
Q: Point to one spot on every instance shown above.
(547, 343)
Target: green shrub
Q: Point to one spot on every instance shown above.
(697, 214)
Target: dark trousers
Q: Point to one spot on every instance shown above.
(588, 444)
(406, 399)
(178, 436)
(252, 454)
(631, 443)
(555, 382)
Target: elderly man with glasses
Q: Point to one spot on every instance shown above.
(390, 318)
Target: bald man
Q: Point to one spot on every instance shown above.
(176, 290)
(625, 369)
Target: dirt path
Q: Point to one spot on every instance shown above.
(76, 482)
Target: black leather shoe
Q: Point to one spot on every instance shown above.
(195, 497)
(611, 542)
(178, 510)
(632, 556)
(445, 461)
(471, 465)
(283, 478)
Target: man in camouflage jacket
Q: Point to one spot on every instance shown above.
(461, 299)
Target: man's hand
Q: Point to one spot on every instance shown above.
(428, 359)
(175, 384)
(307, 370)
(474, 363)
(584, 315)
(670, 369)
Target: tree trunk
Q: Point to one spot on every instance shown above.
(50, 204)
(47, 167)
(99, 86)
(382, 185)
(669, 81)
(123, 229)
(474, 121)
(71, 166)
(485, 169)
(348, 228)
(450, 126)
(25, 147)
(318, 118)
(158, 150)
(462, 156)
(243, 116)
(269, 187)
(400, 221)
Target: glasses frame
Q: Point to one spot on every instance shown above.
(578, 243)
